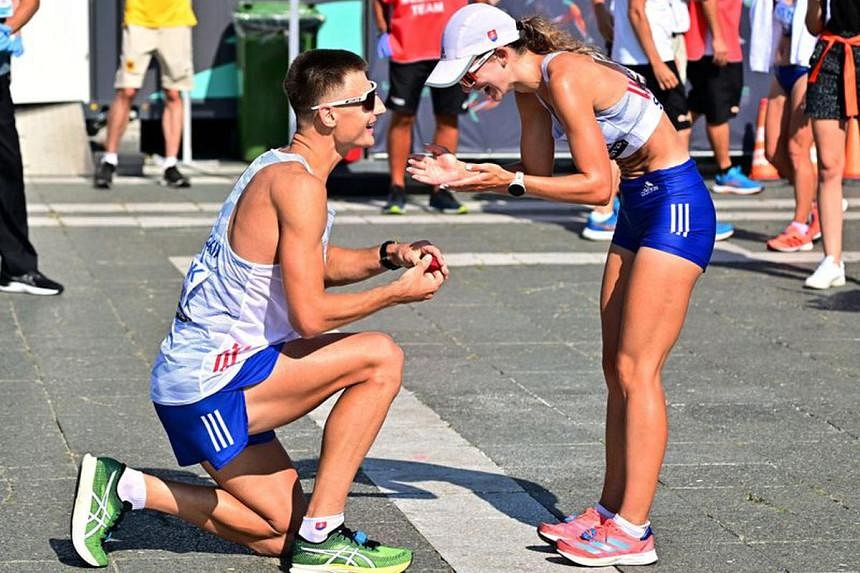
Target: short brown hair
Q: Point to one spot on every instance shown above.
(315, 74)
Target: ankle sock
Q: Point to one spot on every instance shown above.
(631, 529)
(111, 158)
(604, 513)
(316, 529)
(803, 228)
(169, 162)
(132, 488)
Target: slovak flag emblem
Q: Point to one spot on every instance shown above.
(492, 35)
(320, 525)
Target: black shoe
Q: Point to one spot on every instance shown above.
(173, 178)
(444, 200)
(33, 282)
(104, 175)
(396, 202)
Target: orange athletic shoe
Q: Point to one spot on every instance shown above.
(791, 240)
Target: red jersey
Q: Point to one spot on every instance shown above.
(698, 38)
(416, 27)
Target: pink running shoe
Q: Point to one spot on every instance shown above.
(791, 240)
(608, 544)
(572, 526)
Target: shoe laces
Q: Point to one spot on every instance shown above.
(602, 531)
(358, 537)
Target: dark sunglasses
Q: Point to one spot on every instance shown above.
(367, 100)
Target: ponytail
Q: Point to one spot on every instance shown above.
(539, 36)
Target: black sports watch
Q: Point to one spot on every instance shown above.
(384, 259)
(517, 187)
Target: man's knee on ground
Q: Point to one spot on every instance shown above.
(282, 531)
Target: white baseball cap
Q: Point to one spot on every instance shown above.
(473, 30)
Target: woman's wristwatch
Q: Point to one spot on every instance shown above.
(517, 187)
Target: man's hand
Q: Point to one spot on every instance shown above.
(721, 52)
(666, 78)
(408, 255)
(417, 284)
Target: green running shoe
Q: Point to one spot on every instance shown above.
(97, 507)
(346, 551)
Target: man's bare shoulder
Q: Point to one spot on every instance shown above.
(292, 190)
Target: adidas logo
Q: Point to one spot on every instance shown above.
(648, 188)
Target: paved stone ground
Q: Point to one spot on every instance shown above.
(762, 469)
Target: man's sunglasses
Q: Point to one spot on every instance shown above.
(469, 80)
(367, 100)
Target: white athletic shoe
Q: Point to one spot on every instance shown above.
(828, 274)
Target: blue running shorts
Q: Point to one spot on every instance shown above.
(669, 210)
(215, 429)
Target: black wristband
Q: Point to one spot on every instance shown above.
(384, 260)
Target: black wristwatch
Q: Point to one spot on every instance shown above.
(517, 187)
(384, 259)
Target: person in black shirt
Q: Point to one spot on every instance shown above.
(831, 100)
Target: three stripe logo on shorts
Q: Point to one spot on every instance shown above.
(217, 430)
(679, 219)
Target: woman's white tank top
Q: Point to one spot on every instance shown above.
(627, 124)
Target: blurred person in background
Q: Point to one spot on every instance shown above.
(831, 99)
(779, 40)
(19, 270)
(410, 36)
(715, 72)
(161, 28)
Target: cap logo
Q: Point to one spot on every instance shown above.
(492, 35)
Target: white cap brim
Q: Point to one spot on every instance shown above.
(449, 72)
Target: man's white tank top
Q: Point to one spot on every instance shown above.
(627, 124)
(229, 309)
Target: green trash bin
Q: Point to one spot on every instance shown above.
(262, 55)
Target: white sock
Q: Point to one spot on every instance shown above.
(132, 488)
(111, 158)
(633, 530)
(316, 529)
(599, 217)
(802, 227)
(605, 513)
(169, 162)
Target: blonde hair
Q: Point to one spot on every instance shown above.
(540, 36)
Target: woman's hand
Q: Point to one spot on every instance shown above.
(444, 169)
(439, 168)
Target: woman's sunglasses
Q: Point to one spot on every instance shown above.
(367, 100)
(469, 80)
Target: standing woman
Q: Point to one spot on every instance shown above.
(662, 244)
(780, 40)
(831, 99)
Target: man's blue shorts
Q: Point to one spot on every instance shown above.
(215, 429)
(669, 210)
